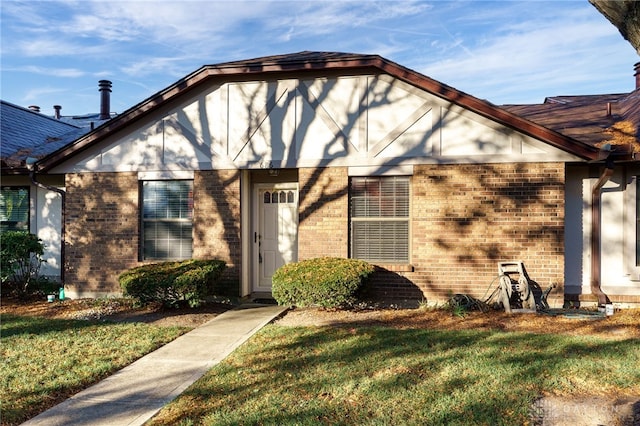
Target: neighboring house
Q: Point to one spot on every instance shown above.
(31, 201)
(283, 158)
(27, 204)
(604, 252)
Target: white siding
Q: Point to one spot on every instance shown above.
(619, 274)
(348, 121)
(45, 219)
(47, 226)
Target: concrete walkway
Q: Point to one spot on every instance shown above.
(137, 392)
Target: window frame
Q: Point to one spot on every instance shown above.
(27, 226)
(144, 221)
(381, 218)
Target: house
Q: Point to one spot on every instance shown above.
(31, 201)
(27, 203)
(277, 159)
(602, 230)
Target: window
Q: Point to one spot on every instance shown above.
(14, 209)
(379, 219)
(167, 216)
(275, 197)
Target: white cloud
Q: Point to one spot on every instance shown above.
(495, 50)
(533, 54)
(37, 93)
(51, 72)
(170, 66)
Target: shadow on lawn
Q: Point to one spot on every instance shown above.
(382, 375)
(15, 325)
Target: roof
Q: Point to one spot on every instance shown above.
(590, 119)
(28, 134)
(318, 63)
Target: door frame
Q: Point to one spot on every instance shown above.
(255, 225)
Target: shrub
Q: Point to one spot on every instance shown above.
(172, 283)
(20, 261)
(328, 282)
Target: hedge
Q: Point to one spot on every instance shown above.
(328, 282)
(173, 283)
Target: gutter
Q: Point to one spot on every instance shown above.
(32, 176)
(596, 213)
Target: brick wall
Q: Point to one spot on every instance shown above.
(102, 226)
(466, 218)
(216, 224)
(102, 229)
(323, 218)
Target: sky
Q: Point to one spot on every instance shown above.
(507, 52)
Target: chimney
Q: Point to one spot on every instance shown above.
(57, 109)
(636, 67)
(105, 99)
(34, 108)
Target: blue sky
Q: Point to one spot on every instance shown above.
(54, 52)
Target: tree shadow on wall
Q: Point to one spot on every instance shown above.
(388, 288)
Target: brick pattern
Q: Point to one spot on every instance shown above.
(466, 218)
(101, 230)
(216, 223)
(102, 226)
(323, 228)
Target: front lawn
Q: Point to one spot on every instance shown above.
(383, 375)
(45, 361)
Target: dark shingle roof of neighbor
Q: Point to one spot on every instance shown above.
(585, 118)
(27, 135)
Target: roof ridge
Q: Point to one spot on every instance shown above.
(302, 56)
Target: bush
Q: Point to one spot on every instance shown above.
(20, 261)
(173, 283)
(328, 282)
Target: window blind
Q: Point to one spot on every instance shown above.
(14, 209)
(167, 216)
(379, 216)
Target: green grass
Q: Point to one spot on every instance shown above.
(385, 376)
(45, 361)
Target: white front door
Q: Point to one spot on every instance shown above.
(275, 231)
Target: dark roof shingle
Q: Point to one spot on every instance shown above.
(584, 118)
(28, 134)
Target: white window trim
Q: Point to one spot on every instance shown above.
(143, 221)
(409, 221)
(167, 175)
(364, 171)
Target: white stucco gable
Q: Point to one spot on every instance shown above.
(361, 120)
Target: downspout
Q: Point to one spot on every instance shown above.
(32, 176)
(596, 213)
